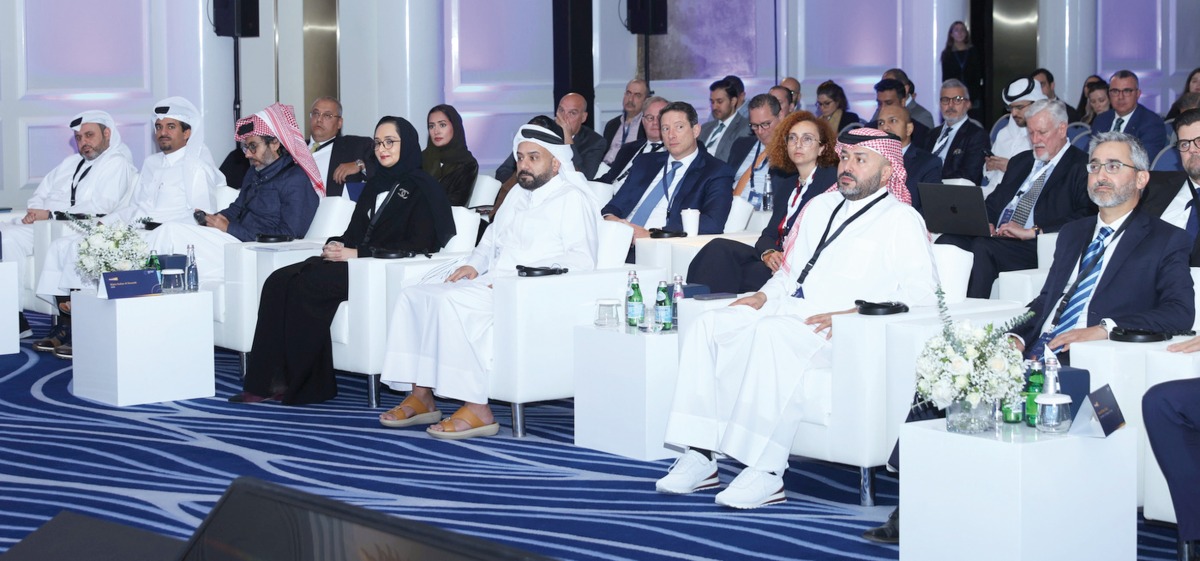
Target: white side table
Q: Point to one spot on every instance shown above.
(142, 350)
(9, 302)
(624, 385)
(1016, 493)
(1162, 366)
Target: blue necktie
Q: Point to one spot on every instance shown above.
(1193, 221)
(1083, 292)
(712, 138)
(656, 194)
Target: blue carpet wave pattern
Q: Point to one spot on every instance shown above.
(162, 467)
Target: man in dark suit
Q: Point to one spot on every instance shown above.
(1135, 272)
(649, 142)
(1171, 411)
(889, 92)
(918, 112)
(1171, 195)
(958, 142)
(586, 144)
(340, 158)
(717, 135)
(922, 167)
(627, 126)
(1046, 80)
(1042, 190)
(1129, 116)
(748, 157)
(661, 185)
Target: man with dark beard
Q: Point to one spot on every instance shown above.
(441, 335)
(742, 368)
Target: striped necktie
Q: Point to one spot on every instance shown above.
(1083, 292)
(1025, 205)
(656, 194)
(940, 149)
(716, 134)
(1118, 124)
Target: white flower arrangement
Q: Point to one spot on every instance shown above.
(107, 248)
(970, 363)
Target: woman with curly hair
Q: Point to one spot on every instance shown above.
(803, 165)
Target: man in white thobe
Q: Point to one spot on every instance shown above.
(441, 335)
(92, 181)
(172, 184)
(1014, 137)
(741, 368)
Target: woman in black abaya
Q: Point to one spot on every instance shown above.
(446, 156)
(401, 208)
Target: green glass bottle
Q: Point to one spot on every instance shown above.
(1033, 387)
(662, 306)
(635, 310)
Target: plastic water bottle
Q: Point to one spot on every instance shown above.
(766, 197)
(191, 273)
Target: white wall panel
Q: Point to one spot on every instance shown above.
(98, 47)
(1130, 35)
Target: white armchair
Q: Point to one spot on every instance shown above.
(534, 320)
(484, 192)
(1163, 366)
(1024, 285)
(739, 216)
(360, 326)
(44, 233)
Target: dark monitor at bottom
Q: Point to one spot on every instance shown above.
(264, 521)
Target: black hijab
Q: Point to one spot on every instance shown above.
(440, 160)
(407, 173)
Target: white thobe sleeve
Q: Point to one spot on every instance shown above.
(580, 235)
(481, 258)
(58, 178)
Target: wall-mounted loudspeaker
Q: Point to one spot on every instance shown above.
(236, 18)
(647, 16)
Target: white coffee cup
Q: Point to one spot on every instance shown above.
(691, 221)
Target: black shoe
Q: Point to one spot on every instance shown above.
(63, 351)
(247, 397)
(888, 533)
(23, 326)
(59, 335)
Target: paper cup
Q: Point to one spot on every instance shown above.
(691, 221)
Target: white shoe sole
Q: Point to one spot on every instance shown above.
(774, 498)
(709, 483)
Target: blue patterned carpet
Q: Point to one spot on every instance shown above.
(162, 467)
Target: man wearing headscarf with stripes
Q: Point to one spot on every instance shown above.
(91, 181)
(174, 182)
(742, 368)
(279, 195)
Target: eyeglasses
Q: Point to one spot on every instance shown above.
(1121, 92)
(251, 147)
(1112, 168)
(956, 100)
(806, 141)
(316, 115)
(386, 143)
(1185, 145)
(761, 126)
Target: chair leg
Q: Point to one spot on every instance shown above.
(242, 363)
(373, 390)
(518, 420)
(866, 486)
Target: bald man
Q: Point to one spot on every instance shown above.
(586, 144)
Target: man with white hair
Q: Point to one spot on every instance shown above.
(279, 194)
(173, 183)
(1013, 138)
(742, 368)
(1043, 189)
(91, 181)
(441, 335)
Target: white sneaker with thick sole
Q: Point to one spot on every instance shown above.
(691, 472)
(751, 489)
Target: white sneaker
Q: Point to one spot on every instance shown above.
(751, 489)
(691, 472)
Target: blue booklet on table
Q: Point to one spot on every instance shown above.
(129, 284)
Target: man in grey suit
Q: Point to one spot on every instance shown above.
(918, 113)
(727, 125)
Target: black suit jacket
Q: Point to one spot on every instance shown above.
(922, 167)
(1145, 124)
(628, 152)
(347, 148)
(1146, 283)
(1064, 196)
(707, 185)
(613, 126)
(965, 156)
(1159, 193)
(784, 187)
